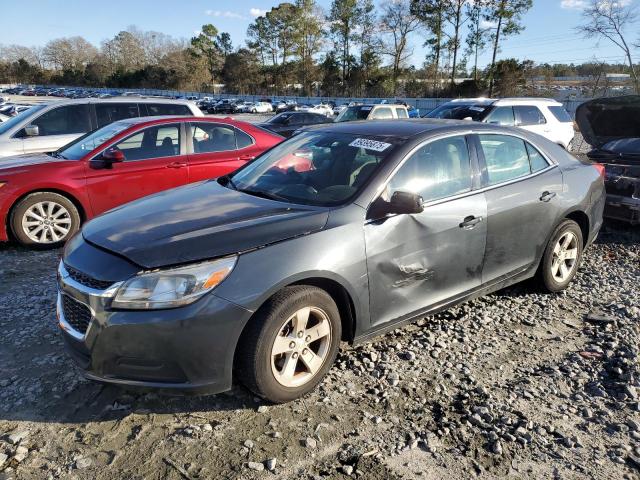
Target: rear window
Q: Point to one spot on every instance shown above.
(458, 112)
(167, 109)
(560, 113)
(529, 115)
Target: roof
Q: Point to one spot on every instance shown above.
(404, 128)
(119, 100)
(169, 118)
(505, 101)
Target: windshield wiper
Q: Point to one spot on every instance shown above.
(263, 194)
(57, 154)
(228, 181)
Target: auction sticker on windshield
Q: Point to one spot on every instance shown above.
(370, 144)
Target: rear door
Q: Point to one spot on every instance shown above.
(522, 189)
(56, 128)
(418, 261)
(154, 161)
(216, 149)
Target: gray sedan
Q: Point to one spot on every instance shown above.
(337, 234)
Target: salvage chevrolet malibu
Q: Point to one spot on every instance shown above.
(45, 197)
(257, 276)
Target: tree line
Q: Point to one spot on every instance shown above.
(351, 49)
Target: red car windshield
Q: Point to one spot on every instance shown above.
(92, 140)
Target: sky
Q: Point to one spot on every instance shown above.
(549, 35)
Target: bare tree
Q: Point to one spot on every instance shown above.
(610, 19)
(72, 53)
(398, 23)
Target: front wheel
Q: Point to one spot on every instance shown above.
(290, 344)
(561, 257)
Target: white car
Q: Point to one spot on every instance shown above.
(46, 127)
(544, 116)
(261, 107)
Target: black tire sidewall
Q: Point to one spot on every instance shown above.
(548, 281)
(297, 298)
(21, 207)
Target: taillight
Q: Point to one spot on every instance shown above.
(600, 168)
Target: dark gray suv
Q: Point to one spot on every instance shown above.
(337, 234)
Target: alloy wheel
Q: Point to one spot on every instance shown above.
(46, 222)
(301, 347)
(565, 255)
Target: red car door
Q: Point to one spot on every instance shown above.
(217, 149)
(152, 163)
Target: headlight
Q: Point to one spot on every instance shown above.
(172, 287)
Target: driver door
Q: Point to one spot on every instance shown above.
(153, 162)
(418, 261)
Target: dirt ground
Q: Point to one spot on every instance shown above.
(515, 385)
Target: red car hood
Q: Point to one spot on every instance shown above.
(8, 164)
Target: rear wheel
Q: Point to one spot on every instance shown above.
(44, 219)
(561, 257)
(290, 344)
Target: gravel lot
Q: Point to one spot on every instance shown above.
(518, 384)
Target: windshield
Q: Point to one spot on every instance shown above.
(459, 112)
(350, 114)
(313, 168)
(9, 124)
(92, 140)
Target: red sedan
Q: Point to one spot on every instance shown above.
(44, 198)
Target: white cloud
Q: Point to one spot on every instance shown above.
(223, 14)
(573, 4)
(486, 24)
(256, 12)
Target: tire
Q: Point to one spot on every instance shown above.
(564, 248)
(264, 372)
(61, 220)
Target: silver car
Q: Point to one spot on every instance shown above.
(48, 126)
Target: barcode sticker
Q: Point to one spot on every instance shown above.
(370, 144)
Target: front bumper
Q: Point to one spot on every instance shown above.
(187, 349)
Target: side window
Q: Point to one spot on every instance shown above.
(152, 142)
(536, 159)
(506, 157)
(242, 139)
(154, 109)
(382, 113)
(110, 112)
(401, 113)
(437, 170)
(529, 115)
(501, 116)
(212, 137)
(560, 113)
(64, 120)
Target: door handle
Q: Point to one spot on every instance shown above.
(546, 196)
(177, 165)
(470, 222)
(246, 158)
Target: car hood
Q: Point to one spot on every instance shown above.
(604, 120)
(197, 222)
(27, 160)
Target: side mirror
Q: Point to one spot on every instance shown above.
(405, 203)
(32, 130)
(113, 155)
